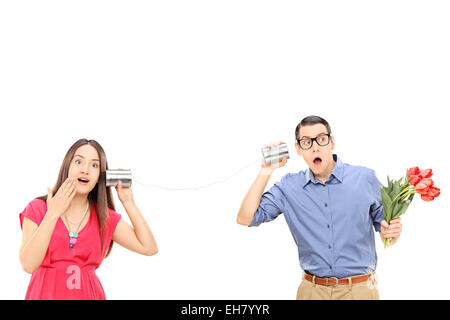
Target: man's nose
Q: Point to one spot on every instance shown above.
(315, 145)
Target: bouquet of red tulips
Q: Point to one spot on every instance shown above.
(397, 196)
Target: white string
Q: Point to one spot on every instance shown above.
(199, 187)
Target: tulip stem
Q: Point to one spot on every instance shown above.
(387, 242)
(402, 195)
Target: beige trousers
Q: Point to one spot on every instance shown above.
(366, 290)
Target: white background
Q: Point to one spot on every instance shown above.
(186, 93)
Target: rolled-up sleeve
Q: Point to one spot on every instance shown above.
(376, 207)
(270, 206)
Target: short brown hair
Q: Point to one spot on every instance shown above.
(309, 121)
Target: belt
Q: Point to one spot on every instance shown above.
(333, 281)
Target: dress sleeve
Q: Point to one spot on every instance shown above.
(35, 211)
(111, 224)
(271, 204)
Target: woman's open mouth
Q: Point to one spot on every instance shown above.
(83, 181)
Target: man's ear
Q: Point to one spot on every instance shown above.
(332, 143)
(298, 149)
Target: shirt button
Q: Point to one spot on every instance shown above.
(329, 247)
(326, 204)
(331, 267)
(328, 226)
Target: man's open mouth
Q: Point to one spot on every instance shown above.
(317, 161)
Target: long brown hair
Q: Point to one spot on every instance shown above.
(100, 196)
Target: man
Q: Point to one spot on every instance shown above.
(331, 209)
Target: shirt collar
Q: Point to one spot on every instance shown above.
(338, 172)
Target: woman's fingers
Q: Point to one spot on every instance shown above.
(72, 194)
(67, 188)
(70, 189)
(49, 193)
(62, 189)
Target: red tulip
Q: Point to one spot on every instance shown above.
(427, 193)
(434, 192)
(413, 171)
(426, 173)
(427, 197)
(422, 188)
(426, 181)
(414, 179)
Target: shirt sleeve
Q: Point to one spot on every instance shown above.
(376, 207)
(35, 211)
(271, 205)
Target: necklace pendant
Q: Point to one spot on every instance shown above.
(73, 234)
(72, 242)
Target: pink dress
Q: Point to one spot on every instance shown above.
(69, 273)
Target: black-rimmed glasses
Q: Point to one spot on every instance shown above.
(322, 140)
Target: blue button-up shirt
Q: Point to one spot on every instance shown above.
(332, 223)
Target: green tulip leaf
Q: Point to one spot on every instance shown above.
(396, 189)
(387, 203)
(389, 187)
(404, 206)
(396, 208)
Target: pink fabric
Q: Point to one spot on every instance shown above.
(69, 273)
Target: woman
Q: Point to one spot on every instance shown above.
(67, 233)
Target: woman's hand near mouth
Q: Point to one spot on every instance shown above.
(58, 204)
(36, 238)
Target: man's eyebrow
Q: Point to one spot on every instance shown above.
(314, 137)
(78, 155)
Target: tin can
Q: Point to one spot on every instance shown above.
(275, 153)
(114, 175)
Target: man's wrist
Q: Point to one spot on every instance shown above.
(266, 171)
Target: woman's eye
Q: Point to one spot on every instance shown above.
(77, 161)
(95, 165)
